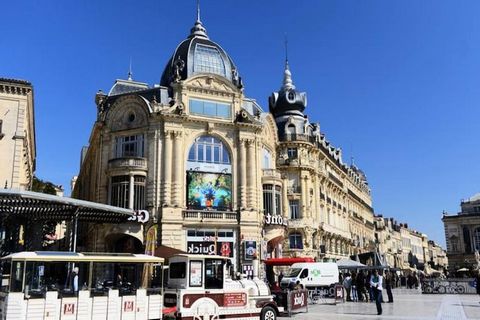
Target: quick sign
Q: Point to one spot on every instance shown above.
(140, 216)
(275, 220)
(235, 299)
(222, 248)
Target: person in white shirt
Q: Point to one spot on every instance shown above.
(376, 283)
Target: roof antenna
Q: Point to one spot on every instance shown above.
(130, 70)
(286, 51)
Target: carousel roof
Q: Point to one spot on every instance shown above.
(41, 206)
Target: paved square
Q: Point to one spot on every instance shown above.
(408, 304)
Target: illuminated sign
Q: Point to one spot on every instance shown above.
(140, 216)
(275, 219)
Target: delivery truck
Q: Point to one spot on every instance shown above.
(313, 276)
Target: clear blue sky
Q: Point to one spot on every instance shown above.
(395, 84)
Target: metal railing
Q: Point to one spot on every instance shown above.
(127, 162)
(201, 215)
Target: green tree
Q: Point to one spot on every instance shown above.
(48, 226)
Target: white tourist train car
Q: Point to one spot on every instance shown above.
(82, 286)
(201, 287)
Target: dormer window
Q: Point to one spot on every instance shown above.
(291, 96)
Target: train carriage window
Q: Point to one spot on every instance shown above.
(178, 270)
(213, 274)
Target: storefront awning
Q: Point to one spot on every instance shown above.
(287, 261)
(41, 206)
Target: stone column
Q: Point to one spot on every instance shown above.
(131, 191)
(303, 201)
(242, 168)
(167, 168)
(177, 169)
(251, 165)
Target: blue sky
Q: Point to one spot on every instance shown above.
(395, 84)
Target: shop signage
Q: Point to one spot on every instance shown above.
(250, 250)
(224, 248)
(140, 216)
(297, 299)
(234, 299)
(275, 220)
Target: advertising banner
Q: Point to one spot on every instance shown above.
(209, 190)
(250, 249)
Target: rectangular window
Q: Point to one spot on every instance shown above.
(178, 270)
(139, 193)
(213, 274)
(292, 153)
(196, 278)
(129, 146)
(295, 240)
(119, 191)
(294, 209)
(210, 108)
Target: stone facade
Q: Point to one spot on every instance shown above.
(404, 248)
(216, 173)
(462, 233)
(17, 134)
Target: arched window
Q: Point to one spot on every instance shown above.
(267, 159)
(295, 240)
(210, 150)
(291, 129)
(476, 238)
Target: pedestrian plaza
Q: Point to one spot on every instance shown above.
(408, 304)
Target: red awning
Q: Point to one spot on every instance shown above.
(287, 261)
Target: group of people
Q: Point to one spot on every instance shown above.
(369, 286)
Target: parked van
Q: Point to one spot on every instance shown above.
(312, 275)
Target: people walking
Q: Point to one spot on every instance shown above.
(362, 293)
(347, 284)
(368, 286)
(376, 284)
(354, 287)
(388, 285)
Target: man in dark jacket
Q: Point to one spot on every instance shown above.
(388, 285)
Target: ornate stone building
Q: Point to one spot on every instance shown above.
(215, 172)
(189, 151)
(462, 233)
(329, 205)
(17, 134)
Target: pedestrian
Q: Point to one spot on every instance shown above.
(280, 277)
(362, 293)
(347, 284)
(477, 282)
(354, 287)
(376, 283)
(388, 285)
(368, 286)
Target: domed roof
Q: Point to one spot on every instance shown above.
(198, 54)
(288, 101)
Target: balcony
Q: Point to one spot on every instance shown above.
(294, 190)
(204, 215)
(298, 137)
(271, 173)
(128, 163)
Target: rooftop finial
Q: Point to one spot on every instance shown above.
(198, 29)
(287, 75)
(198, 11)
(130, 70)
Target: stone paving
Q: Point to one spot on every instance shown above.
(408, 305)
